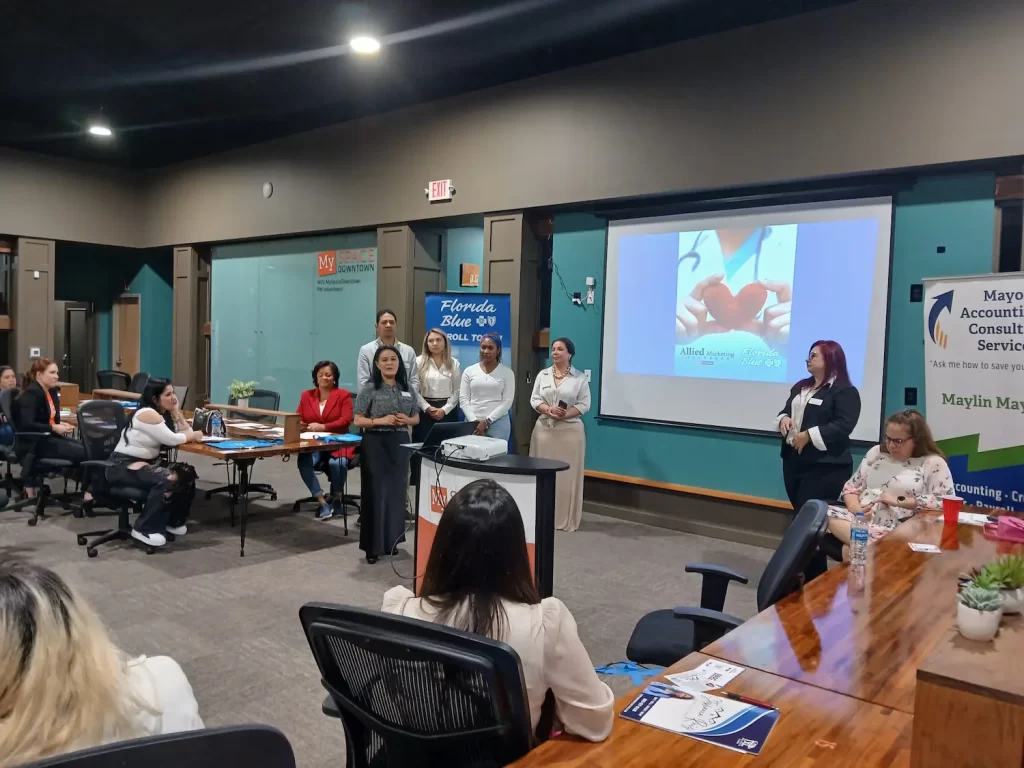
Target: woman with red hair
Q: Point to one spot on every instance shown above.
(816, 423)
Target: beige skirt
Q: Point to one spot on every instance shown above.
(566, 441)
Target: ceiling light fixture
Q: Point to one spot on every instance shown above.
(100, 130)
(364, 44)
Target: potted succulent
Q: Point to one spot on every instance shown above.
(241, 391)
(979, 610)
(1007, 574)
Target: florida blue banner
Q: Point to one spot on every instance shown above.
(466, 317)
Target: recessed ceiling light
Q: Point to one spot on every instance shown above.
(364, 44)
(100, 130)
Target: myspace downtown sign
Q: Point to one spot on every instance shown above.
(349, 260)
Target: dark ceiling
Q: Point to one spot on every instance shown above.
(181, 79)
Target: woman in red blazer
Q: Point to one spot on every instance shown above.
(326, 408)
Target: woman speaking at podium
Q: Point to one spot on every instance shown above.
(561, 395)
(385, 409)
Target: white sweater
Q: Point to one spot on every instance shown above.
(144, 441)
(485, 395)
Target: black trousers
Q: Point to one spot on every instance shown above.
(169, 499)
(57, 447)
(805, 482)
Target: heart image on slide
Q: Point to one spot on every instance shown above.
(734, 312)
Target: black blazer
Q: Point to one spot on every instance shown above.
(32, 412)
(835, 419)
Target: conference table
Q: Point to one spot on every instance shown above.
(838, 659)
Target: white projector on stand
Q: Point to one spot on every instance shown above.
(474, 448)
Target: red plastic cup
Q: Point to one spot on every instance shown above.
(951, 506)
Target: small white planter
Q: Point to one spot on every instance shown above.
(1013, 601)
(243, 402)
(977, 625)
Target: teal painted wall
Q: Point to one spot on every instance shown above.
(99, 274)
(955, 212)
(465, 245)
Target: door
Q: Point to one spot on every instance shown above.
(74, 342)
(126, 351)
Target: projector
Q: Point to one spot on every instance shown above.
(474, 448)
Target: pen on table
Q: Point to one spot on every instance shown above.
(748, 700)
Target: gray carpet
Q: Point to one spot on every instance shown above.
(233, 623)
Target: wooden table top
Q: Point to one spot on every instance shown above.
(867, 644)
(268, 452)
(815, 727)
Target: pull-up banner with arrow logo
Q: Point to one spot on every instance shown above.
(974, 383)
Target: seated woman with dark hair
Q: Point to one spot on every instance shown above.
(478, 579)
(157, 424)
(8, 380)
(326, 408)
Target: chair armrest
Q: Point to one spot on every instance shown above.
(715, 583)
(96, 463)
(708, 626)
(329, 708)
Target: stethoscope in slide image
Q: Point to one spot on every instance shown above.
(692, 253)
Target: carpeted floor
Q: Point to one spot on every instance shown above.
(233, 623)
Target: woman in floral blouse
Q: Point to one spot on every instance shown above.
(905, 473)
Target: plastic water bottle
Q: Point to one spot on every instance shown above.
(859, 542)
(216, 425)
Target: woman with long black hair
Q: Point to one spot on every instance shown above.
(385, 409)
(478, 579)
(155, 425)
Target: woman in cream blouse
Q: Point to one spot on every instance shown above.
(438, 397)
(561, 394)
(478, 579)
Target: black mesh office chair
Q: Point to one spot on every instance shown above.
(664, 637)
(113, 380)
(261, 398)
(139, 382)
(347, 499)
(410, 693)
(236, 746)
(32, 466)
(100, 423)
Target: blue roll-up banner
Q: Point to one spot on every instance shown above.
(466, 317)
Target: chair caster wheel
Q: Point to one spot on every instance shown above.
(273, 497)
(150, 550)
(32, 522)
(91, 552)
(77, 513)
(81, 541)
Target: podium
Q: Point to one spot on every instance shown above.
(530, 481)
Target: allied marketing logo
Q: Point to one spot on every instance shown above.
(944, 301)
(438, 498)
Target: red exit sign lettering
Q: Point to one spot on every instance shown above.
(439, 191)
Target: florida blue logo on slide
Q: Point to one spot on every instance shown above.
(944, 301)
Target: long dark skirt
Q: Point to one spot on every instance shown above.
(383, 473)
(421, 430)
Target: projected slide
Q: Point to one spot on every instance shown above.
(704, 309)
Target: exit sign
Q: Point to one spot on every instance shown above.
(440, 191)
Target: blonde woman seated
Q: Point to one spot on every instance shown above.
(64, 686)
(478, 579)
(905, 473)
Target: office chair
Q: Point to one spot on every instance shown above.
(664, 637)
(113, 380)
(100, 423)
(410, 693)
(261, 398)
(139, 382)
(235, 746)
(44, 468)
(347, 499)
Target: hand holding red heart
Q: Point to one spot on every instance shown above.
(692, 314)
(739, 312)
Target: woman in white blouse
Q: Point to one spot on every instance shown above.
(155, 425)
(905, 473)
(64, 686)
(488, 390)
(478, 579)
(440, 377)
(561, 395)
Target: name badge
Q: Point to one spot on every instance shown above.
(406, 394)
(814, 401)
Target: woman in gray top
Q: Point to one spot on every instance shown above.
(385, 409)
